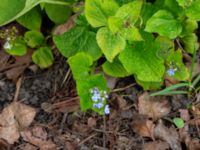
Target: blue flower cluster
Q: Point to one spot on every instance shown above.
(99, 99)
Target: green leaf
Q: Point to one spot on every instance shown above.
(34, 38)
(78, 39)
(80, 65)
(190, 43)
(179, 122)
(173, 7)
(115, 69)
(84, 87)
(188, 27)
(12, 9)
(149, 85)
(193, 11)
(184, 3)
(58, 13)
(131, 34)
(110, 44)
(164, 23)
(130, 12)
(9, 8)
(43, 57)
(175, 61)
(115, 24)
(141, 60)
(32, 20)
(166, 47)
(98, 11)
(18, 47)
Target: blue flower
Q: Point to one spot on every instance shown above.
(171, 72)
(99, 105)
(106, 110)
(96, 97)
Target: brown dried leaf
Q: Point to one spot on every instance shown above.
(157, 145)
(28, 146)
(196, 69)
(143, 126)
(60, 29)
(92, 122)
(121, 102)
(154, 107)
(194, 145)
(3, 59)
(169, 135)
(14, 118)
(184, 114)
(38, 137)
(14, 73)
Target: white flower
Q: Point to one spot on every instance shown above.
(7, 45)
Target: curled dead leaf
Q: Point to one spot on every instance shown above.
(153, 107)
(13, 119)
(169, 135)
(143, 126)
(38, 137)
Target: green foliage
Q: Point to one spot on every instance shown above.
(43, 57)
(179, 122)
(139, 54)
(98, 11)
(110, 44)
(115, 69)
(12, 9)
(79, 39)
(193, 10)
(34, 38)
(58, 13)
(80, 65)
(136, 38)
(18, 47)
(32, 20)
(165, 24)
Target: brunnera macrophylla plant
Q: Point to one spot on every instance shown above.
(135, 37)
(138, 38)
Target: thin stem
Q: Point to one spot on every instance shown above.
(192, 68)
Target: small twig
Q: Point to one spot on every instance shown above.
(87, 139)
(18, 86)
(63, 121)
(124, 88)
(66, 77)
(104, 131)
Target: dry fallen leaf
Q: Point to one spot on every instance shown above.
(157, 145)
(121, 102)
(38, 137)
(92, 122)
(184, 114)
(143, 126)
(169, 135)
(154, 107)
(194, 145)
(14, 118)
(60, 29)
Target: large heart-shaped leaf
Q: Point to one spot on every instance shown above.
(98, 11)
(141, 59)
(78, 39)
(165, 24)
(110, 44)
(10, 10)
